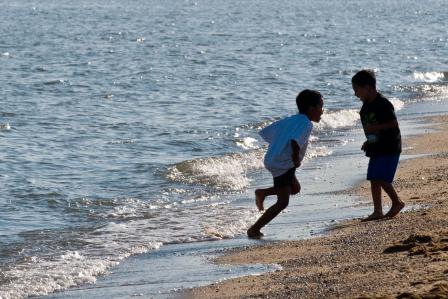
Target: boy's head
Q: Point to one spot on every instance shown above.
(364, 85)
(310, 103)
(363, 78)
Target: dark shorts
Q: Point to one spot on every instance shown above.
(285, 179)
(383, 168)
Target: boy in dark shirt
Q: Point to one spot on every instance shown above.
(383, 145)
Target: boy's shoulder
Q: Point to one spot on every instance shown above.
(381, 98)
(292, 120)
(299, 117)
(380, 102)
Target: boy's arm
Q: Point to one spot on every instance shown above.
(295, 153)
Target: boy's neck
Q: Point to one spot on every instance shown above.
(307, 116)
(371, 96)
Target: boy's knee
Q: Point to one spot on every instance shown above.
(283, 198)
(295, 187)
(281, 205)
(295, 190)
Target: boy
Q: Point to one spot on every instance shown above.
(288, 140)
(383, 145)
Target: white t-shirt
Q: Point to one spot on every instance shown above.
(279, 135)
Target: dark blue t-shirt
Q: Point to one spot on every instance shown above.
(384, 142)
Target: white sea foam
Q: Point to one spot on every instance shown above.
(128, 208)
(197, 199)
(227, 172)
(430, 76)
(44, 276)
(347, 118)
(247, 143)
(108, 245)
(338, 119)
(426, 92)
(5, 126)
(319, 151)
(221, 227)
(434, 91)
(398, 104)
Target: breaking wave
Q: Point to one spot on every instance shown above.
(338, 119)
(228, 172)
(431, 77)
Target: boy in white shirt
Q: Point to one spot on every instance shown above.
(288, 140)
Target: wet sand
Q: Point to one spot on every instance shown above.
(402, 257)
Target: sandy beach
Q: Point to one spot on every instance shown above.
(403, 257)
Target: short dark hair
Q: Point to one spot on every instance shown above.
(308, 98)
(363, 78)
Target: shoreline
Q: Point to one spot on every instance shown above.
(404, 256)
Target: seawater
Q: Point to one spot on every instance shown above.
(129, 127)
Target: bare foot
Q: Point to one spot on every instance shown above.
(254, 234)
(374, 216)
(259, 199)
(394, 210)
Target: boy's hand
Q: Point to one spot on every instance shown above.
(364, 146)
(295, 153)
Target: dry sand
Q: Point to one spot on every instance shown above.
(403, 257)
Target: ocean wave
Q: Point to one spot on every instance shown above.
(41, 275)
(398, 104)
(97, 250)
(347, 118)
(225, 172)
(317, 151)
(434, 91)
(229, 172)
(331, 119)
(247, 143)
(431, 77)
(338, 119)
(52, 275)
(426, 92)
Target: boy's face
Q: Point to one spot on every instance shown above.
(365, 93)
(315, 112)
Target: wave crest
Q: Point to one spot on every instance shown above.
(338, 119)
(431, 76)
(226, 172)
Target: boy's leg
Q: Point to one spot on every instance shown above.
(397, 204)
(282, 202)
(260, 195)
(375, 187)
(295, 188)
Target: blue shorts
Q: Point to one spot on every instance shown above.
(382, 168)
